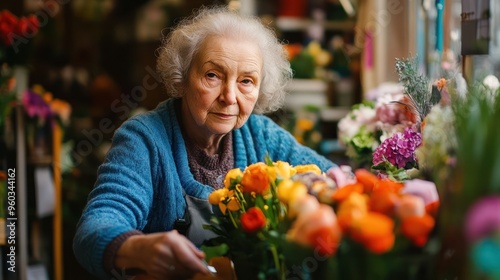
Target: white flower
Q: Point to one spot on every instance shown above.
(351, 124)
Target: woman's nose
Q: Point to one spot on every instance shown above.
(228, 94)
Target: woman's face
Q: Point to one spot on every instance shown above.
(222, 86)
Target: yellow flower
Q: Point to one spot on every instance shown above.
(38, 89)
(232, 174)
(217, 196)
(307, 168)
(289, 190)
(284, 169)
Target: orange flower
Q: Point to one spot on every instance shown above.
(256, 179)
(47, 97)
(325, 240)
(417, 229)
(441, 83)
(292, 50)
(233, 204)
(410, 205)
(383, 202)
(375, 231)
(317, 228)
(61, 109)
(388, 185)
(253, 220)
(353, 208)
(366, 178)
(432, 208)
(344, 192)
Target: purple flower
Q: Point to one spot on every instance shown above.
(399, 149)
(35, 106)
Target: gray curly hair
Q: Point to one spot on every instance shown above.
(182, 43)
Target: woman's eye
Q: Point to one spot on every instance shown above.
(211, 75)
(246, 81)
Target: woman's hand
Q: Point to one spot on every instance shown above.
(166, 255)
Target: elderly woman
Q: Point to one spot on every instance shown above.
(221, 71)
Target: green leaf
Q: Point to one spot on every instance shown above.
(215, 251)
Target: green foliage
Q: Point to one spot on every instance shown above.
(478, 138)
(416, 86)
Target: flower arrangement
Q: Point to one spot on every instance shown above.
(388, 133)
(40, 106)
(275, 216)
(369, 123)
(42, 111)
(264, 212)
(14, 35)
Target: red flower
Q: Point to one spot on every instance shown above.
(10, 25)
(253, 220)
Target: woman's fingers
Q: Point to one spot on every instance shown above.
(188, 256)
(171, 255)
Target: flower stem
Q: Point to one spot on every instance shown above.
(277, 262)
(232, 219)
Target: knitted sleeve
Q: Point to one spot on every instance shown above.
(121, 198)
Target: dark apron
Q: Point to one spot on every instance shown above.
(197, 214)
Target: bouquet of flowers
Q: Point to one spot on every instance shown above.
(279, 221)
(390, 132)
(43, 111)
(264, 213)
(386, 226)
(372, 122)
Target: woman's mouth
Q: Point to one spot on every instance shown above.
(224, 116)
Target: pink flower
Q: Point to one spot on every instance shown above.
(424, 189)
(399, 150)
(342, 175)
(483, 218)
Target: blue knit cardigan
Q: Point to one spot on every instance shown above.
(139, 185)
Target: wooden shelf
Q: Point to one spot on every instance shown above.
(302, 24)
